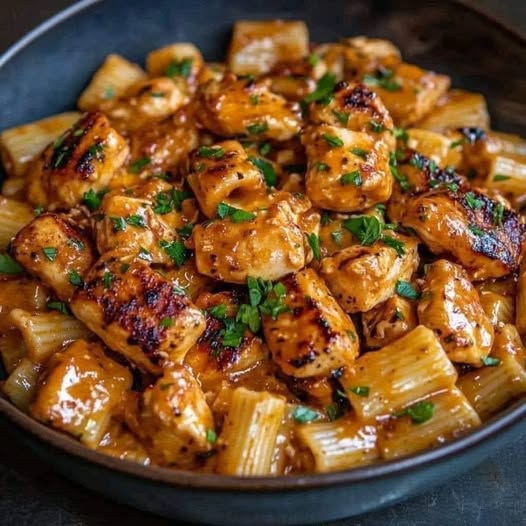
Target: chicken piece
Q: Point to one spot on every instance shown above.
(222, 173)
(85, 157)
(480, 233)
(508, 342)
(362, 277)
(266, 243)
(119, 442)
(450, 306)
(388, 321)
(408, 92)
(257, 46)
(79, 389)
(165, 145)
(52, 249)
(223, 351)
(312, 336)
(357, 108)
(347, 171)
(174, 420)
(137, 312)
(133, 224)
(365, 55)
(146, 102)
(318, 391)
(246, 107)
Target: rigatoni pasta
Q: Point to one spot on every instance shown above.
(253, 268)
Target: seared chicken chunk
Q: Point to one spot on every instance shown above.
(79, 389)
(119, 442)
(365, 55)
(361, 277)
(165, 145)
(132, 224)
(312, 336)
(85, 157)
(408, 92)
(257, 46)
(480, 233)
(357, 108)
(246, 107)
(266, 243)
(222, 173)
(146, 102)
(388, 322)
(174, 420)
(137, 312)
(55, 251)
(450, 306)
(220, 354)
(347, 171)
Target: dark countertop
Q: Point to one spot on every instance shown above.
(32, 494)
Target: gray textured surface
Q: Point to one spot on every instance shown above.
(31, 494)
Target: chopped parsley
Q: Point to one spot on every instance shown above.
(254, 100)
(119, 224)
(38, 210)
(266, 168)
(341, 116)
(109, 93)
(145, 254)
(376, 127)
(314, 243)
(333, 412)
(354, 178)
(59, 306)
(400, 134)
(498, 214)
(474, 229)
(396, 244)
(249, 315)
(360, 152)
(313, 59)
(179, 68)
(211, 436)
(337, 236)
(383, 79)
(322, 167)
(501, 177)
(406, 290)
(490, 361)
(273, 305)
(75, 278)
(50, 253)
(472, 201)
(265, 148)
(325, 218)
(458, 142)
(136, 220)
(236, 215)
(418, 413)
(257, 128)
(107, 279)
(398, 177)
(359, 390)
(324, 88)
(9, 266)
(167, 322)
(303, 414)
(77, 244)
(186, 231)
(332, 140)
(232, 334)
(218, 311)
(367, 229)
(165, 202)
(214, 152)
(175, 250)
(93, 199)
(136, 167)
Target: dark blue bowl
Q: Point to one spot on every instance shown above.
(44, 73)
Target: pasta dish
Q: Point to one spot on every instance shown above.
(304, 259)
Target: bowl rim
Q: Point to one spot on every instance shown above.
(494, 427)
